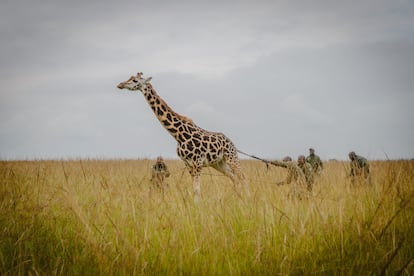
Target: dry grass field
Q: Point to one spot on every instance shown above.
(101, 217)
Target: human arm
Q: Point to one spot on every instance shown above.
(279, 164)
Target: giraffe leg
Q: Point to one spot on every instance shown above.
(195, 173)
(224, 168)
(234, 172)
(239, 175)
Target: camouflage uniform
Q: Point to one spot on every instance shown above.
(300, 173)
(315, 161)
(159, 173)
(359, 168)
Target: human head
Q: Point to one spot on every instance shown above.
(301, 159)
(287, 159)
(311, 151)
(160, 159)
(352, 155)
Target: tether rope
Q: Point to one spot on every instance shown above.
(253, 156)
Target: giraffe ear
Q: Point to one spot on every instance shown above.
(148, 79)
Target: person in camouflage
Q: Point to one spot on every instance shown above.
(359, 168)
(300, 173)
(315, 161)
(159, 172)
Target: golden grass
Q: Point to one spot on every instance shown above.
(86, 217)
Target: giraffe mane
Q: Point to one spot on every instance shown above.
(182, 117)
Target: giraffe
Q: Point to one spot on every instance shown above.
(196, 146)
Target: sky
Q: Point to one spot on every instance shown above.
(277, 77)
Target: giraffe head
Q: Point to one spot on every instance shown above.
(135, 83)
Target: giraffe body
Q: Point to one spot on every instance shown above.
(196, 146)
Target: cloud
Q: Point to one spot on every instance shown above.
(296, 106)
(273, 75)
(201, 108)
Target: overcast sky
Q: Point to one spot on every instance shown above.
(277, 77)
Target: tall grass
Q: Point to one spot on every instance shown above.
(86, 217)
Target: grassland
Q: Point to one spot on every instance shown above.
(101, 217)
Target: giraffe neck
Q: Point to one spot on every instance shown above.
(173, 122)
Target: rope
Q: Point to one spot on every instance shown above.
(267, 162)
(253, 156)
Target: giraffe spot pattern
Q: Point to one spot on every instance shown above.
(166, 123)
